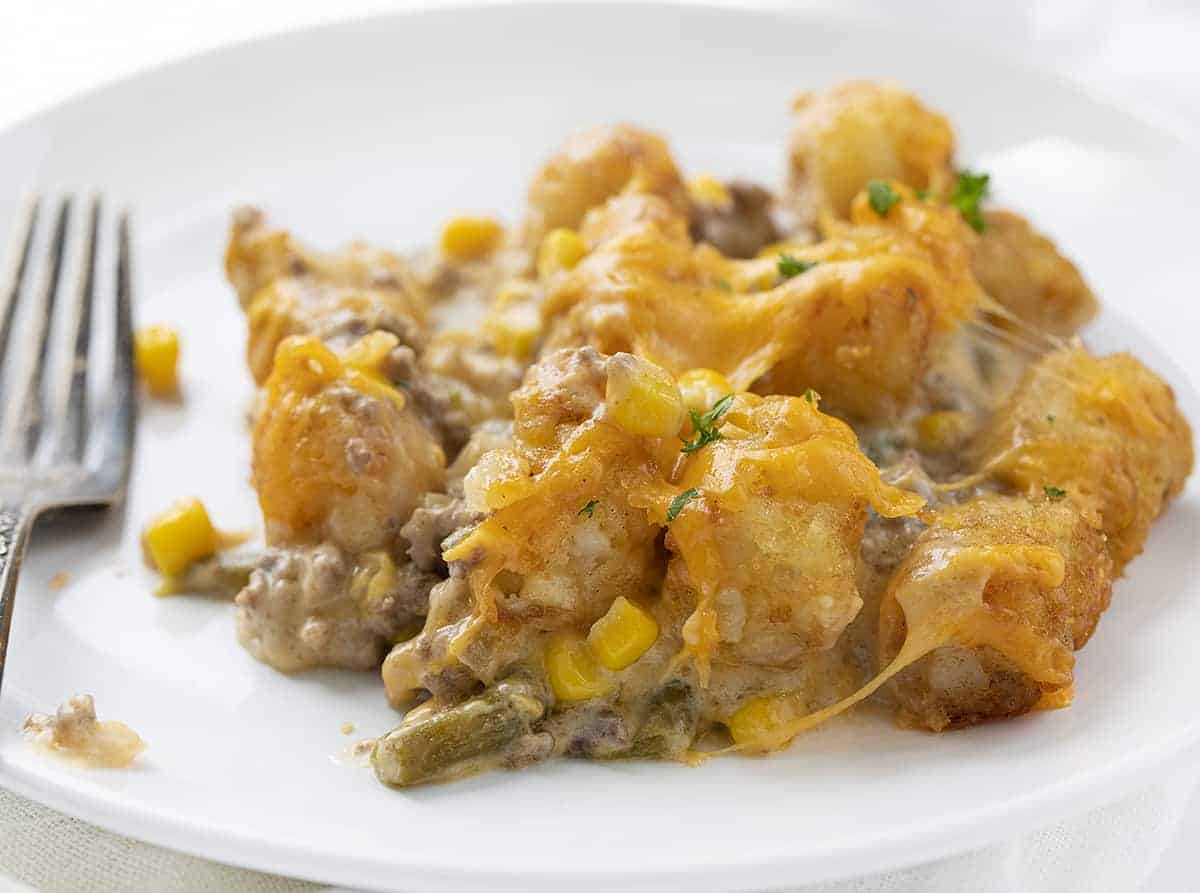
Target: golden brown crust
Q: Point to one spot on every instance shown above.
(758, 568)
(1024, 627)
(338, 455)
(859, 131)
(860, 327)
(287, 289)
(1023, 270)
(592, 167)
(750, 568)
(1105, 431)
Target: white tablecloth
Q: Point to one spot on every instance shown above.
(1143, 52)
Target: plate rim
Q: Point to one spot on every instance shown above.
(1170, 124)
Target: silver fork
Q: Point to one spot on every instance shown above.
(52, 454)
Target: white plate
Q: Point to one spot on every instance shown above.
(382, 128)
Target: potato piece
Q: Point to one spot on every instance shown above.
(1015, 645)
(258, 255)
(777, 507)
(338, 454)
(1103, 433)
(563, 390)
(561, 555)
(565, 565)
(859, 131)
(771, 541)
(593, 166)
(860, 326)
(336, 314)
(1024, 271)
(563, 543)
(287, 289)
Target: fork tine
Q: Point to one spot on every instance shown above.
(117, 449)
(22, 245)
(69, 411)
(23, 418)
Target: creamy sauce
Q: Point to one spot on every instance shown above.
(356, 755)
(73, 733)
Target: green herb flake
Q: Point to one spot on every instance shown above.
(811, 396)
(590, 508)
(1050, 417)
(1055, 492)
(724, 285)
(967, 196)
(705, 425)
(924, 194)
(679, 502)
(789, 266)
(882, 196)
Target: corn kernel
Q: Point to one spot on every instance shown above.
(622, 635)
(156, 355)
(514, 329)
(701, 388)
(756, 720)
(561, 249)
(374, 578)
(643, 398)
(179, 537)
(470, 238)
(573, 671)
(939, 431)
(498, 479)
(706, 189)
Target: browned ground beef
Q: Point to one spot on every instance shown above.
(743, 228)
(300, 610)
(438, 516)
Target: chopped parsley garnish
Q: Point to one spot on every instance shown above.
(968, 193)
(705, 425)
(789, 266)
(924, 194)
(882, 196)
(590, 508)
(811, 396)
(1050, 417)
(679, 502)
(724, 285)
(1055, 492)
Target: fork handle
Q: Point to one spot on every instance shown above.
(15, 524)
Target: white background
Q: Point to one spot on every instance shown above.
(1146, 53)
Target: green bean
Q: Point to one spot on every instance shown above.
(470, 736)
(669, 726)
